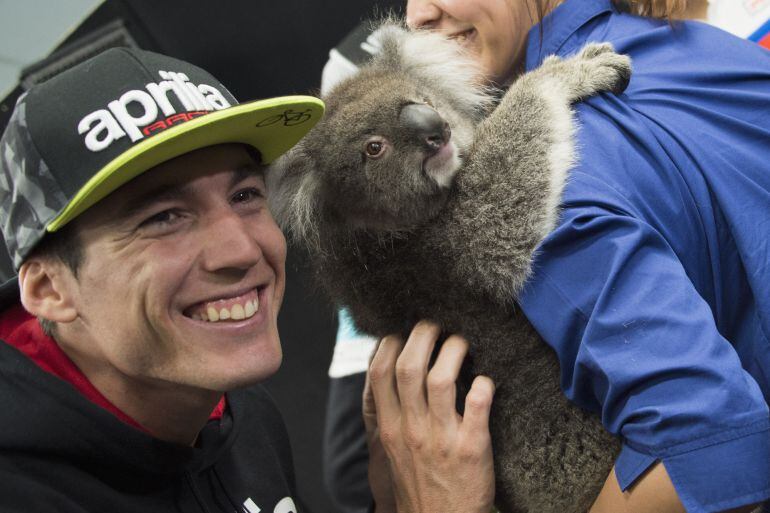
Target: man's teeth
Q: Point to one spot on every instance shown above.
(236, 312)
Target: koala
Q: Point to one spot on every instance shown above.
(423, 194)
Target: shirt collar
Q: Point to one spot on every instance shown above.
(559, 25)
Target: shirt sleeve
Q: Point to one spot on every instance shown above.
(637, 343)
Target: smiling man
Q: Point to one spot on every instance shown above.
(198, 265)
(142, 296)
(144, 314)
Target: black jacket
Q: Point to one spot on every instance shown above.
(59, 452)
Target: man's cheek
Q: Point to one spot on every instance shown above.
(279, 248)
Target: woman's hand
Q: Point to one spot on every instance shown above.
(424, 456)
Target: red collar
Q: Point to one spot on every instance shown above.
(21, 330)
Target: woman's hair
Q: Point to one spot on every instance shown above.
(666, 9)
(669, 9)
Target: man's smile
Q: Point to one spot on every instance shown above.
(235, 307)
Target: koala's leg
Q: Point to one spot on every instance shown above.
(550, 456)
(510, 188)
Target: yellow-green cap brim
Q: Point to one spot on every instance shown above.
(271, 126)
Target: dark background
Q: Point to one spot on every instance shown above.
(259, 49)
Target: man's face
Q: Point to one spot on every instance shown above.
(168, 258)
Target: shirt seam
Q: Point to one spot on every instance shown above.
(705, 442)
(748, 498)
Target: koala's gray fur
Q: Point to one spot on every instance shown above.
(404, 237)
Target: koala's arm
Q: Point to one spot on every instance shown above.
(509, 191)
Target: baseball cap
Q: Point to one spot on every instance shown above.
(79, 136)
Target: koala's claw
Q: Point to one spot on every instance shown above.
(607, 70)
(614, 68)
(624, 77)
(593, 69)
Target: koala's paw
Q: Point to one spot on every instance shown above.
(594, 69)
(606, 70)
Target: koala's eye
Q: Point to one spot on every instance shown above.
(374, 149)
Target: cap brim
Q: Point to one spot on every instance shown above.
(271, 126)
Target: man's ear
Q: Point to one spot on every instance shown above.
(47, 289)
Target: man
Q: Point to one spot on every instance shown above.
(150, 276)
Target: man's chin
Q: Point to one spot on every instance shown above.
(227, 356)
(226, 376)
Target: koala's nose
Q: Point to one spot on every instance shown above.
(427, 125)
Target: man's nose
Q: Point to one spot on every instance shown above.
(229, 242)
(422, 14)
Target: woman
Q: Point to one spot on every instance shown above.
(653, 288)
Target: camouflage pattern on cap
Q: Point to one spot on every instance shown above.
(75, 138)
(29, 196)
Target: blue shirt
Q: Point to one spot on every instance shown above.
(654, 289)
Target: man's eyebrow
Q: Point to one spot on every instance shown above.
(172, 192)
(245, 171)
(136, 204)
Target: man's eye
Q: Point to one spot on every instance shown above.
(161, 218)
(246, 195)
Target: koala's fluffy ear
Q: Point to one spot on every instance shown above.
(292, 191)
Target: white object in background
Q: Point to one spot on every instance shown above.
(344, 61)
(352, 350)
(745, 18)
(337, 69)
